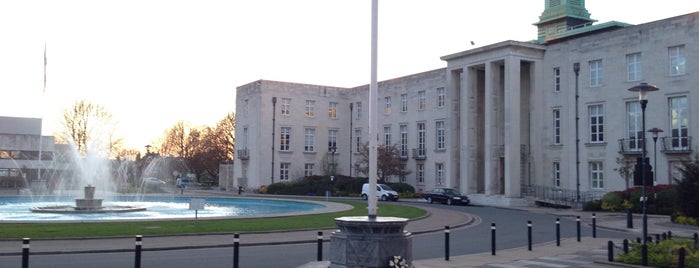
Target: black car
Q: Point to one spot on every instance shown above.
(449, 196)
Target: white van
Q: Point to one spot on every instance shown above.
(382, 191)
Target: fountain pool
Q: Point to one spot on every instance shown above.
(18, 209)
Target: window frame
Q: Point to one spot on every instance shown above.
(310, 108)
(285, 139)
(557, 79)
(332, 110)
(634, 67)
(596, 123)
(595, 73)
(441, 97)
(677, 60)
(596, 175)
(309, 143)
(441, 135)
(285, 108)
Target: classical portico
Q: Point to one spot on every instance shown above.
(495, 85)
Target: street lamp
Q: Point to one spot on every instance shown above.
(332, 159)
(576, 69)
(655, 132)
(643, 89)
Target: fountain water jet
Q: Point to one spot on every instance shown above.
(88, 204)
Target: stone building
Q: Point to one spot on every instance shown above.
(499, 121)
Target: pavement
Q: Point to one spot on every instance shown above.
(606, 220)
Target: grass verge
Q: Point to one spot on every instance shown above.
(107, 229)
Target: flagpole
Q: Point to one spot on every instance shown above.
(41, 118)
(373, 165)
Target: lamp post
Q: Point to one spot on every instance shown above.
(332, 159)
(274, 114)
(643, 89)
(655, 132)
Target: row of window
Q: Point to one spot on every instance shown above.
(310, 138)
(25, 155)
(677, 65)
(595, 173)
(309, 170)
(678, 116)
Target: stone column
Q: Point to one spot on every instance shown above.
(513, 138)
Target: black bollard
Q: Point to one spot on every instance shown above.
(236, 250)
(577, 220)
(629, 219)
(558, 232)
(25, 253)
(446, 243)
(626, 246)
(696, 240)
(610, 251)
(669, 234)
(529, 235)
(594, 225)
(638, 240)
(680, 259)
(139, 244)
(644, 255)
(657, 239)
(664, 236)
(320, 246)
(492, 239)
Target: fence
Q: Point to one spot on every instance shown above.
(558, 197)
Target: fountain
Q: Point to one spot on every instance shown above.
(88, 204)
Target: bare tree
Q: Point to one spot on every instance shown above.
(86, 124)
(388, 162)
(177, 141)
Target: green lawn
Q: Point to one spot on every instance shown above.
(105, 229)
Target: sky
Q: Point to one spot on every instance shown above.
(153, 63)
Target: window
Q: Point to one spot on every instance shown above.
(358, 140)
(595, 73)
(387, 136)
(633, 66)
(285, 138)
(404, 140)
(332, 139)
(679, 122)
(596, 175)
(441, 135)
(387, 109)
(245, 138)
(634, 125)
(310, 139)
(421, 100)
(677, 60)
(332, 110)
(420, 173)
(557, 174)
(556, 79)
(403, 168)
(421, 139)
(439, 176)
(284, 171)
(286, 106)
(441, 97)
(310, 107)
(404, 102)
(359, 110)
(596, 115)
(556, 138)
(308, 170)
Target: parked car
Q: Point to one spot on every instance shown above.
(153, 181)
(383, 192)
(185, 182)
(449, 196)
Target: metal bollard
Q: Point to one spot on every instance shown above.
(629, 219)
(610, 251)
(657, 239)
(664, 236)
(492, 239)
(236, 250)
(696, 240)
(139, 244)
(594, 225)
(446, 243)
(577, 222)
(644, 255)
(320, 246)
(669, 235)
(680, 259)
(626, 246)
(529, 235)
(638, 240)
(25, 253)
(558, 232)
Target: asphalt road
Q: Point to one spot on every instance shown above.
(511, 232)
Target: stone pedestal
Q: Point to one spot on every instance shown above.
(369, 242)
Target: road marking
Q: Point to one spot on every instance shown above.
(538, 263)
(564, 260)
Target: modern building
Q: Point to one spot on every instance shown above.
(499, 122)
(27, 159)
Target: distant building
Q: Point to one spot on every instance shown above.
(26, 157)
(499, 121)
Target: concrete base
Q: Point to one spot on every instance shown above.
(369, 242)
